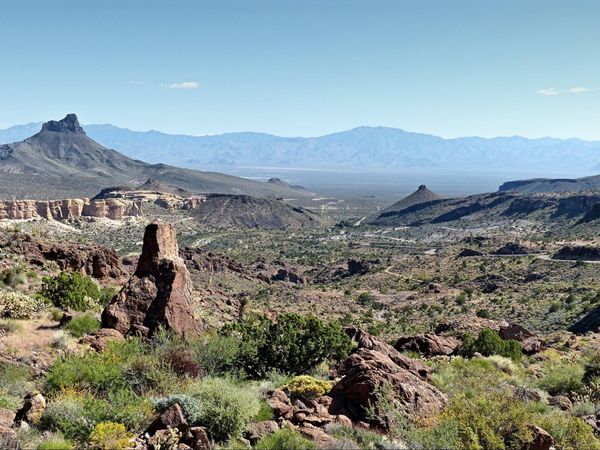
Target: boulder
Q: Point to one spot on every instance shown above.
(7, 417)
(280, 404)
(560, 401)
(172, 417)
(428, 344)
(197, 439)
(513, 248)
(255, 431)
(531, 343)
(541, 439)
(99, 339)
(364, 340)
(33, 407)
(365, 370)
(469, 252)
(8, 439)
(159, 294)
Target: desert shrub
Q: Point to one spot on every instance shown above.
(70, 290)
(568, 431)
(490, 343)
(16, 305)
(189, 405)
(294, 344)
(181, 363)
(145, 374)
(503, 363)
(106, 295)
(562, 378)
(216, 354)
(285, 439)
(84, 324)
(354, 437)
(10, 326)
(97, 372)
(225, 406)
(76, 413)
(55, 442)
(305, 386)
(14, 383)
(13, 276)
(110, 435)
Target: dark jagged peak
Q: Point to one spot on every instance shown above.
(278, 181)
(421, 195)
(70, 124)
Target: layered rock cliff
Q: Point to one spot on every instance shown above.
(114, 209)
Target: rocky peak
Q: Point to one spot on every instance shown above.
(422, 188)
(159, 294)
(70, 124)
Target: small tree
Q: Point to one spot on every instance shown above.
(70, 290)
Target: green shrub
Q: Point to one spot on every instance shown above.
(106, 295)
(562, 378)
(569, 432)
(111, 435)
(70, 290)
(285, 439)
(16, 305)
(490, 343)
(216, 354)
(84, 324)
(55, 443)
(14, 383)
(294, 344)
(307, 387)
(225, 407)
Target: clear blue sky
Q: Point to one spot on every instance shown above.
(448, 67)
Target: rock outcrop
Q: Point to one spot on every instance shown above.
(513, 248)
(159, 294)
(428, 344)
(68, 209)
(374, 364)
(91, 260)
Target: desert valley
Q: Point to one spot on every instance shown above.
(147, 306)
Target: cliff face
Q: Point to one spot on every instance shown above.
(68, 209)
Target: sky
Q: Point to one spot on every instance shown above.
(305, 68)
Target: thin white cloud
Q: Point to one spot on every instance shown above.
(184, 85)
(549, 92)
(577, 90)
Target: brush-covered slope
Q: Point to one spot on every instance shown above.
(495, 208)
(244, 211)
(62, 161)
(538, 185)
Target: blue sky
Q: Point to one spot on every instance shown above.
(447, 67)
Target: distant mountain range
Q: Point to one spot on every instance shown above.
(62, 161)
(363, 147)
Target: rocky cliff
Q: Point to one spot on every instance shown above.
(114, 209)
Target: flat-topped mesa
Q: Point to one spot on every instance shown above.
(70, 124)
(159, 294)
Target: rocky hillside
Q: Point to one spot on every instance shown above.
(62, 161)
(486, 208)
(538, 185)
(244, 211)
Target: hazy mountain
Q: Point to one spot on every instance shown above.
(62, 161)
(363, 147)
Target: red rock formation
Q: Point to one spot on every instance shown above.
(159, 294)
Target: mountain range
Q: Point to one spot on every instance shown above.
(363, 147)
(61, 161)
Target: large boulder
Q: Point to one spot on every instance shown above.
(159, 294)
(366, 370)
(531, 342)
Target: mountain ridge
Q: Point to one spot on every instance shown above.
(364, 147)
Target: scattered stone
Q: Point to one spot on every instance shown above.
(560, 401)
(159, 294)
